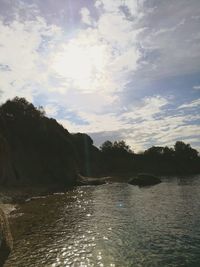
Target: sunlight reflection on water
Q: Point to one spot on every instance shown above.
(117, 225)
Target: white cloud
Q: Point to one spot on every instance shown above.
(99, 59)
(91, 63)
(51, 109)
(146, 111)
(192, 104)
(85, 16)
(196, 87)
(20, 45)
(142, 126)
(113, 6)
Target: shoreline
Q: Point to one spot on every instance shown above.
(11, 196)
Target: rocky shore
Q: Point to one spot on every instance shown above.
(6, 240)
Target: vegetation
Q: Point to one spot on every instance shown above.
(181, 159)
(37, 150)
(118, 147)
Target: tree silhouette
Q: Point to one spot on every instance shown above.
(20, 107)
(118, 147)
(185, 151)
(106, 146)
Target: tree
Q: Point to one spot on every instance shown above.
(185, 151)
(118, 147)
(168, 152)
(159, 151)
(121, 146)
(20, 107)
(154, 151)
(106, 146)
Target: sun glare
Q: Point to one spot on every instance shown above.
(81, 66)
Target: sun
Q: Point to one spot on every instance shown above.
(81, 66)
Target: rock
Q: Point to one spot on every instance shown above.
(6, 241)
(81, 180)
(145, 180)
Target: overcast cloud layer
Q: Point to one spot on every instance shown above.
(115, 69)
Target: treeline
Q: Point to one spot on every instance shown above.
(180, 159)
(35, 149)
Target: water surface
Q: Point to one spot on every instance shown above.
(111, 225)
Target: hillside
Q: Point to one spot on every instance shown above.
(37, 150)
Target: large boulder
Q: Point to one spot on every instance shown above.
(6, 241)
(145, 180)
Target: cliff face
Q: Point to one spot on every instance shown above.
(38, 150)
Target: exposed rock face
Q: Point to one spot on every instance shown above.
(145, 180)
(6, 241)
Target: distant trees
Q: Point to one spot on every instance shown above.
(180, 150)
(118, 147)
(181, 158)
(154, 151)
(117, 156)
(185, 151)
(159, 152)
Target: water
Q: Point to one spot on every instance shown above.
(111, 225)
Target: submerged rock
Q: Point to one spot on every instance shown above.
(145, 180)
(81, 180)
(6, 241)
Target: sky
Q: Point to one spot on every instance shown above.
(114, 69)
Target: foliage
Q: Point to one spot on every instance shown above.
(118, 147)
(20, 107)
(185, 150)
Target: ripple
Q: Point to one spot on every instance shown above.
(114, 225)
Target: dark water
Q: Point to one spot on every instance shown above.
(112, 225)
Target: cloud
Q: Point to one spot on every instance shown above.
(114, 122)
(85, 16)
(22, 58)
(141, 126)
(51, 109)
(196, 87)
(192, 104)
(170, 40)
(94, 59)
(132, 7)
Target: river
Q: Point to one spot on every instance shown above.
(111, 225)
